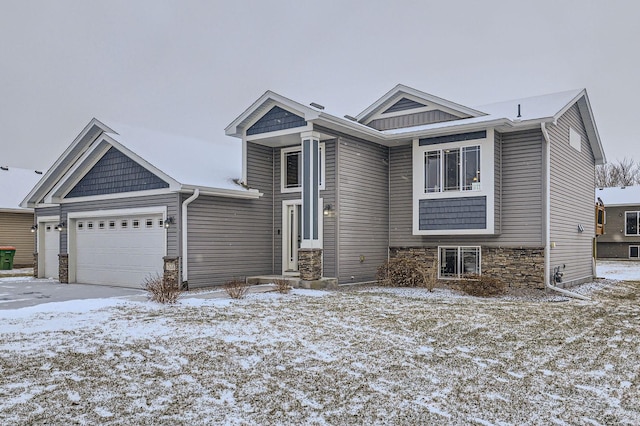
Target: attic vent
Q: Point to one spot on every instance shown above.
(5, 168)
(315, 105)
(348, 117)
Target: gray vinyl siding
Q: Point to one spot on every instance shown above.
(362, 209)
(410, 120)
(615, 225)
(15, 231)
(116, 173)
(233, 238)
(615, 250)
(572, 199)
(518, 186)
(328, 197)
(170, 200)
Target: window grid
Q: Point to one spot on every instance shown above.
(455, 169)
(458, 262)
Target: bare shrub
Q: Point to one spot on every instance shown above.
(402, 272)
(159, 290)
(282, 286)
(431, 278)
(482, 285)
(236, 288)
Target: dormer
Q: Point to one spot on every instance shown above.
(405, 107)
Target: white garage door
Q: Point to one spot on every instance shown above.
(51, 249)
(120, 251)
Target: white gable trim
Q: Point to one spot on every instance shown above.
(386, 101)
(58, 170)
(266, 102)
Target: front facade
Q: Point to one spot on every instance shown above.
(621, 238)
(504, 189)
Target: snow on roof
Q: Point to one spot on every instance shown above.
(188, 160)
(617, 196)
(532, 108)
(16, 183)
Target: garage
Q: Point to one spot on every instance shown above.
(119, 250)
(51, 249)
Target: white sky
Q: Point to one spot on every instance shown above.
(191, 67)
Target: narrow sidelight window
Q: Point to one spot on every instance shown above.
(432, 171)
(471, 168)
(632, 223)
(452, 170)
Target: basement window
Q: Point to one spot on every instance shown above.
(458, 262)
(634, 252)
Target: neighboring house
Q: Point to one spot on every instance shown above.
(503, 189)
(16, 222)
(621, 239)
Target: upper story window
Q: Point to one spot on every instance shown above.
(632, 227)
(291, 168)
(453, 169)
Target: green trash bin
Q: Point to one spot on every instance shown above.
(6, 257)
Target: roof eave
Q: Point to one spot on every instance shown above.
(248, 194)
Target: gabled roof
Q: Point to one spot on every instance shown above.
(186, 163)
(398, 92)
(619, 196)
(15, 184)
(264, 103)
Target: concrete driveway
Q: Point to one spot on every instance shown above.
(19, 292)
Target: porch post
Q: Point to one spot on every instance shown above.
(310, 253)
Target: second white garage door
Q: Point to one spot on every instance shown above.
(120, 251)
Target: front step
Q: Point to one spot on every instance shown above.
(296, 282)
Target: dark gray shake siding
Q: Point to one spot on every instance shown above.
(518, 186)
(572, 198)
(362, 209)
(230, 237)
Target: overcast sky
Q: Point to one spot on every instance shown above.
(191, 67)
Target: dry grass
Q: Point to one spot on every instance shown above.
(381, 356)
(282, 286)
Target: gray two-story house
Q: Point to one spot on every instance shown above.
(504, 189)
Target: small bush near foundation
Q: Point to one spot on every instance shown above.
(236, 288)
(402, 272)
(431, 279)
(160, 291)
(482, 286)
(282, 286)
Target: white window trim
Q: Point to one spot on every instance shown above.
(487, 183)
(637, 224)
(459, 248)
(638, 247)
(283, 168)
(441, 177)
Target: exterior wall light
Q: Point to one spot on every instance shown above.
(169, 221)
(34, 228)
(328, 209)
(60, 227)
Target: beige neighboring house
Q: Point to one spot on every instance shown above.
(15, 221)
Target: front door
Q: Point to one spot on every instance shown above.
(292, 236)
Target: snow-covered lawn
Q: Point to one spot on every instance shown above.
(373, 356)
(619, 269)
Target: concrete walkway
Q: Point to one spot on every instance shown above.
(20, 292)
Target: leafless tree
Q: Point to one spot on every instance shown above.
(619, 173)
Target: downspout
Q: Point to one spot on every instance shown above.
(547, 233)
(185, 239)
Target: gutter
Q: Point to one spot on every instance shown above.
(250, 194)
(547, 234)
(185, 240)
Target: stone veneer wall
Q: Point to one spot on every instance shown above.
(35, 265)
(310, 264)
(63, 268)
(171, 271)
(517, 267)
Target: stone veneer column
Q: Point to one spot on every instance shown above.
(171, 271)
(63, 268)
(310, 264)
(35, 265)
